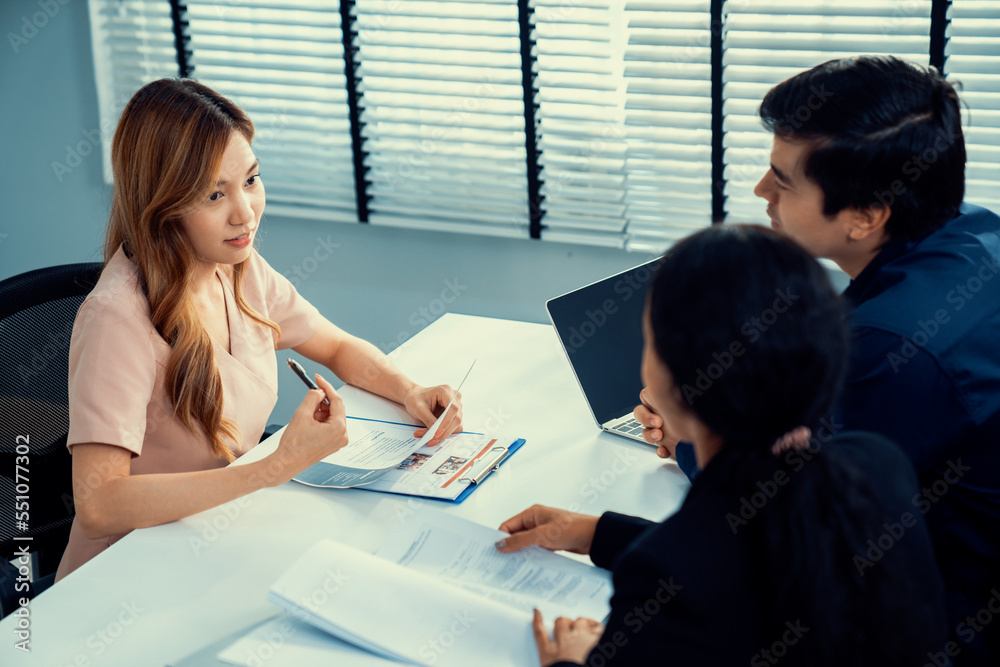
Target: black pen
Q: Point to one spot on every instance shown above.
(301, 372)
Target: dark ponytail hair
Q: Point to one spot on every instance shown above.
(751, 294)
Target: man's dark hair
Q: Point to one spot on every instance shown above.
(884, 132)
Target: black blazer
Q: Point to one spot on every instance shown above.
(689, 591)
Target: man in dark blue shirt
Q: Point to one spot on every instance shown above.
(868, 169)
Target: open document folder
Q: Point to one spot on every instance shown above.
(435, 593)
(384, 456)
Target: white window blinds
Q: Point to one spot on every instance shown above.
(764, 43)
(973, 58)
(581, 120)
(622, 93)
(133, 44)
(668, 118)
(624, 96)
(443, 115)
(283, 64)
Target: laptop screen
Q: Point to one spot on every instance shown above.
(600, 327)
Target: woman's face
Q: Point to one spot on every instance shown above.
(663, 395)
(222, 227)
(666, 399)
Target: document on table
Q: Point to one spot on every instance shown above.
(461, 552)
(438, 593)
(446, 470)
(374, 448)
(286, 641)
(399, 614)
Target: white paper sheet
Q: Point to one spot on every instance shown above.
(285, 641)
(461, 552)
(373, 602)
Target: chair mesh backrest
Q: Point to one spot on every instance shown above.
(37, 310)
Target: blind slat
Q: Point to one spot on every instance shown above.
(973, 58)
(622, 95)
(764, 44)
(443, 112)
(283, 64)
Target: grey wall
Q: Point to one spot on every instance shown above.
(382, 284)
(49, 103)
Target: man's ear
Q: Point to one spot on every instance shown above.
(867, 222)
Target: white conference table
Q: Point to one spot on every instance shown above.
(162, 593)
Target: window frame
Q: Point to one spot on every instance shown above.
(186, 66)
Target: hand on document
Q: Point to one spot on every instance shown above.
(443, 595)
(571, 641)
(550, 528)
(439, 408)
(553, 529)
(315, 431)
(427, 404)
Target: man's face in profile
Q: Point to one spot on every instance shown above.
(795, 202)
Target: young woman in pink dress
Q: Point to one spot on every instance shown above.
(173, 371)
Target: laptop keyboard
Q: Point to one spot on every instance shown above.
(631, 427)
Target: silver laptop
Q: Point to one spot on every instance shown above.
(600, 329)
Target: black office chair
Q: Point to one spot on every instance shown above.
(37, 310)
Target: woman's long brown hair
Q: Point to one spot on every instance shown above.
(165, 156)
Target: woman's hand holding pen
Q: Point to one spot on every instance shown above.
(426, 403)
(316, 430)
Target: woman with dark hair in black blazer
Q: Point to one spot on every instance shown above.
(782, 551)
